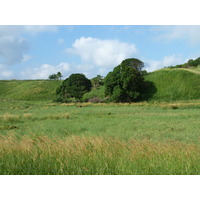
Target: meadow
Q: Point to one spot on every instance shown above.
(41, 137)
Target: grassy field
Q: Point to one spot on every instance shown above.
(29, 90)
(142, 138)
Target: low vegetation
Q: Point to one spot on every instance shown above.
(103, 138)
(153, 128)
(28, 90)
(173, 84)
(96, 155)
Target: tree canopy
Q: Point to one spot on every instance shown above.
(74, 86)
(59, 75)
(194, 62)
(55, 76)
(97, 81)
(134, 63)
(125, 82)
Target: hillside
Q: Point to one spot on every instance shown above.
(163, 85)
(174, 84)
(28, 89)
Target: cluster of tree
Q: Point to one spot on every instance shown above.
(124, 84)
(57, 76)
(194, 63)
(189, 63)
(74, 87)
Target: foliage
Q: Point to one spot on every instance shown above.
(55, 76)
(59, 75)
(134, 63)
(95, 100)
(189, 63)
(97, 81)
(95, 93)
(74, 87)
(194, 62)
(125, 83)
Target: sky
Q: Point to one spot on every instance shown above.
(36, 51)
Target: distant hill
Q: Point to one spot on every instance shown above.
(29, 90)
(174, 84)
(163, 85)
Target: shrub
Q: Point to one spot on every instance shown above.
(95, 100)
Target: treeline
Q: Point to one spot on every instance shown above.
(188, 64)
(124, 84)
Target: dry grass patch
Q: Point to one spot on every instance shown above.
(27, 115)
(59, 116)
(7, 117)
(97, 155)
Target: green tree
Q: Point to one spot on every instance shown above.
(125, 82)
(97, 81)
(59, 75)
(74, 86)
(53, 77)
(194, 63)
(134, 63)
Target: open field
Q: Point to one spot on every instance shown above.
(138, 138)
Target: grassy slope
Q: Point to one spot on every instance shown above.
(168, 85)
(28, 90)
(174, 84)
(99, 93)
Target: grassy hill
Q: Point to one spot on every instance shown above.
(28, 89)
(174, 84)
(163, 85)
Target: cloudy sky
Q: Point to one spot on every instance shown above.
(35, 52)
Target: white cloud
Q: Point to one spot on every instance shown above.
(171, 60)
(5, 73)
(45, 70)
(168, 33)
(12, 49)
(102, 53)
(39, 28)
(16, 30)
(26, 58)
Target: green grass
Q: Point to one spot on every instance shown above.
(96, 155)
(29, 90)
(99, 93)
(165, 85)
(174, 84)
(155, 137)
(142, 138)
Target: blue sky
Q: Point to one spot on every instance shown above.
(35, 52)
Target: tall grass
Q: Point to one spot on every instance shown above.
(174, 84)
(7, 117)
(96, 155)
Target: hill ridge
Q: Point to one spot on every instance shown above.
(175, 84)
